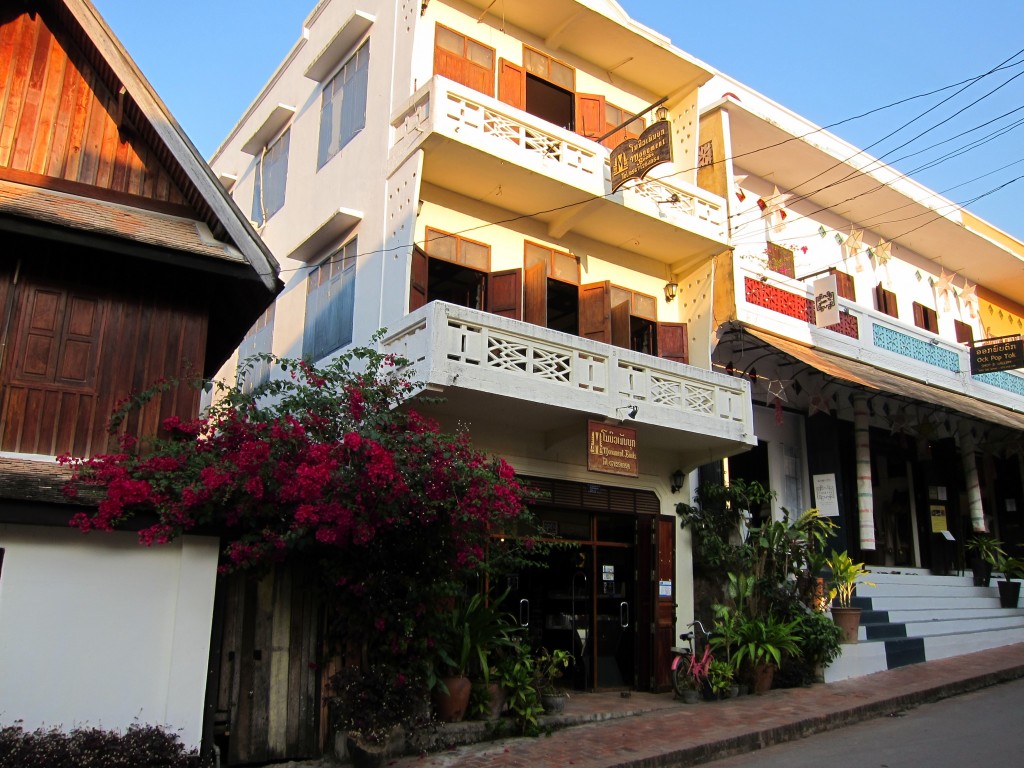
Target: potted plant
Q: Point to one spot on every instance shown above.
(515, 671)
(550, 666)
(375, 707)
(720, 678)
(761, 644)
(1009, 590)
(984, 550)
(846, 575)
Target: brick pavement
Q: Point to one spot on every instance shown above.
(651, 731)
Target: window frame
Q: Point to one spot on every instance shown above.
(885, 301)
(925, 318)
(327, 294)
(332, 119)
(278, 165)
(431, 234)
(483, 75)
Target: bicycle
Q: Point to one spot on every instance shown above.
(685, 664)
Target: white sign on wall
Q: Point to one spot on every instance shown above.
(826, 303)
(826, 499)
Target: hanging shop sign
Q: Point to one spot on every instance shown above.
(826, 306)
(1002, 353)
(633, 158)
(611, 449)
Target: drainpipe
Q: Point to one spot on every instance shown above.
(967, 454)
(865, 498)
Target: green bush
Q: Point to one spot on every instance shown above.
(141, 746)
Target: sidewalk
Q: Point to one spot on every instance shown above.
(651, 730)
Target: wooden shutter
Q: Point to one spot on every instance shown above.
(844, 285)
(505, 293)
(590, 115)
(964, 332)
(621, 336)
(665, 606)
(672, 342)
(535, 292)
(511, 84)
(595, 312)
(418, 279)
(919, 318)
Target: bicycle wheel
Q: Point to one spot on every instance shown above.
(680, 669)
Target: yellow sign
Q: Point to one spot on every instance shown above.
(633, 158)
(611, 449)
(939, 523)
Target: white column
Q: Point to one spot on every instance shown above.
(967, 455)
(865, 498)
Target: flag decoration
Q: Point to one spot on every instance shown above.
(773, 209)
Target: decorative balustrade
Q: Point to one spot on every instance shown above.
(450, 344)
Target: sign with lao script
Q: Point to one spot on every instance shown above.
(826, 308)
(999, 354)
(611, 449)
(633, 158)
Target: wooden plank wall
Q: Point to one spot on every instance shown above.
(59, 120)
(75, 347)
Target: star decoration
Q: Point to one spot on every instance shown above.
(898, 424)
(944, 286)
(854, 242)
(772, 208)
(970, 298)
(883, 252)
(927, 429)
(817, 403)
(777, 390)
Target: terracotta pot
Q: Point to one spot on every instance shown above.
(763, 674)
(451, 707)
(496, 696)
(848, 621)
(368, 754)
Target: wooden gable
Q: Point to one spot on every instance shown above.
(63, 124)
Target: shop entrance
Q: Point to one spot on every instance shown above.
(597, 596)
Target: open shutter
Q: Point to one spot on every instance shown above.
(665, 607)
(418, 280)
(595, 312)
(535, 292)
(590, 115)
(511, 84)
(621, 325)
(672, 343)
(505, 293)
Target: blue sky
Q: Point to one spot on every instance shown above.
(824, 60)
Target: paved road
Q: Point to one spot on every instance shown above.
(976, 729)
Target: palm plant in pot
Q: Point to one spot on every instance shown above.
(983, 549)
(846, 575)
(761, 642)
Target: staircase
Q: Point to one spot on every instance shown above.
(911, 616)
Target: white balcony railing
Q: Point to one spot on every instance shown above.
(454, 346)
(489, 125)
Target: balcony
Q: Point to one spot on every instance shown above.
(509, 373)
(485, 150)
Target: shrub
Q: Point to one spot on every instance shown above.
(140, 746)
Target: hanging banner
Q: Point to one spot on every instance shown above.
(633, 158)
(826, 303)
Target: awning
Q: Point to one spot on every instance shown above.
(868, 376)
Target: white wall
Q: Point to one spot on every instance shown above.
(102, 631)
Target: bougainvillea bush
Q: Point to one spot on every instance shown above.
(141, 746)
(328, 465)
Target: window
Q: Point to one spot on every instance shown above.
(552, 70)
(271, 179)
(459, 250)
(780, 260)
(463, 60)
(259, 339)
(885, 301)
(925, 317)
(844, 285)
(330, 303)
(964, 332)
(343, 110)
(613, 117)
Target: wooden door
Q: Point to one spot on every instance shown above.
(505, 293)
(535, 293)
(590, 121)
(511, 84)
(418, 279)
(672, 342)
(665, 601)
(269, 683)
(595, 312)
(621, 325)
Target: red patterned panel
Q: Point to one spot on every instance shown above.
(793, 305)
